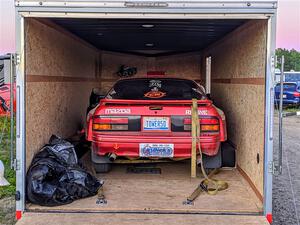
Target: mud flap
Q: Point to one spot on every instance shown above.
(213, 162)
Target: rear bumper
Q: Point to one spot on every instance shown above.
(128, 146)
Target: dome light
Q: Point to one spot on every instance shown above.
(147, 25)
(149, 44)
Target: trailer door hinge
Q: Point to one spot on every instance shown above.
(16, 164)
(274, 168)
(16, 59)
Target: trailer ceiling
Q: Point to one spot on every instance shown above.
(150, 37)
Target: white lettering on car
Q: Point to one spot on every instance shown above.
(200, 112)
(117, 111)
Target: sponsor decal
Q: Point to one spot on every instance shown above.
(156, 150)
(155, 93)
(200, 112)
(117, 111)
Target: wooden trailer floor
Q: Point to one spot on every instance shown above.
(164, 193)
(137, 219)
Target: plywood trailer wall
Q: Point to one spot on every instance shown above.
(60, 73)
(111, 62)
(181, 65)
(238, 87)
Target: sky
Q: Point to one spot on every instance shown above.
(288, 25)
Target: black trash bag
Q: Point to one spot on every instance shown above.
(55, 178)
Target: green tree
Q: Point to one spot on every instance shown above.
(291, 58)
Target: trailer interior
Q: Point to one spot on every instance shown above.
(66, 58)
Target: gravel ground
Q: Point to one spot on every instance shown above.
(7, 211)
(286, 187)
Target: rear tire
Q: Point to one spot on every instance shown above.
(101, 163)
(102, 167)
(228, 155)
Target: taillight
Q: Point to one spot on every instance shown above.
(111, 120)
(206, 124)
(110, 123)
(297, 94)
(209, 128)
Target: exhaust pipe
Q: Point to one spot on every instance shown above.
(112, 157)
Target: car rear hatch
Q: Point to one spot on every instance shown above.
(167, 116)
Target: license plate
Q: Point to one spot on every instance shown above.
(283, 96)
(156, 150)
(156, 123)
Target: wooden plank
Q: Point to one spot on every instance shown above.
(137, 219)
(246, 80)
(70, 35)
(238, 78)
(247, 178)
(165, 192)
(45, 78)
(55, 107)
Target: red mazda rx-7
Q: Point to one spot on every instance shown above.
(150, 118)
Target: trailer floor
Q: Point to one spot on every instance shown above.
(164, 193)
(137, 219)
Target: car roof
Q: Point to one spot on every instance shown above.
(290, 82)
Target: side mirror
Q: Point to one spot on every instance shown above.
(95, 97)
(208, 96)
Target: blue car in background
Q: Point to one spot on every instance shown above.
(291, 93)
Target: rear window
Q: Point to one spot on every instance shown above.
(287, 87)
(156, 89)
(293, 77)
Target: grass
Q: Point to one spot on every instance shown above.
(292, 109)
(10, 174)
(7, 202)
(287, 109)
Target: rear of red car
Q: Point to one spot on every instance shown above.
(140, 118)
(5, 99)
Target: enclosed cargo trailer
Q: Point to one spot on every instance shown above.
(65, 48)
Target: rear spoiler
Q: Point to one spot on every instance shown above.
(205, 102)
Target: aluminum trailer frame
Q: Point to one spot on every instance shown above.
(190, 9)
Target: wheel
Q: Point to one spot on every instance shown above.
(228, 155)
(101, 163)
(102, 167)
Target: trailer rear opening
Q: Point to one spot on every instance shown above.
(67, 57)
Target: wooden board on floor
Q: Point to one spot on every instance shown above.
(165, 192)
(137, 219)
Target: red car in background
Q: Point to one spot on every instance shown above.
(5, 99)
(150, 118)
